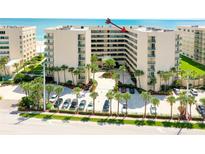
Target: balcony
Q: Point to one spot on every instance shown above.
(151, 40)
(48, 37)
(48, 43)
(151, 48)
(81, 45)
(151, 62)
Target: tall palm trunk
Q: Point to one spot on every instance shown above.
(110, 107)
(58, 77)
(93, 76)
(126, 107)
(145, 109)
(123, 77)
(118, 106)
(64, 77)
(190, 110)
(139, 81)
(93, 106)
(72, 77)
(171, 111)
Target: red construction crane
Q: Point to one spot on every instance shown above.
(123, 30)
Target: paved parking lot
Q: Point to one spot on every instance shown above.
(135, 104)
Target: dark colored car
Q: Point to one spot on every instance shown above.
(58, 103)
(132, 90)
(176, 91)
(82, 105)
(106, 106)
(66, 103)
(123, 90)
(74, 104)
(201, 110)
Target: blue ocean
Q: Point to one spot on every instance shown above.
(42, 23)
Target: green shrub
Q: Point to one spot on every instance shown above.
(20, 77)
(26, 103)
(107, 75)
(7, 82)
(49, 106)
(69, 82)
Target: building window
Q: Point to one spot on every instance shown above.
(2, 32)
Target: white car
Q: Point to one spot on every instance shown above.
(194, 92)
(124, 106)
(53, 98)
(90, 107)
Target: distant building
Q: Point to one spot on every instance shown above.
(18, 43)
(191, 42)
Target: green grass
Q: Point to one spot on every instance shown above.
(116, 121)
(188, 64)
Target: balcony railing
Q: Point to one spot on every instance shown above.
(48, 37)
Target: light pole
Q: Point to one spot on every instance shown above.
(44, 84)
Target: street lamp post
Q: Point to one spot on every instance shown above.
(44, 86)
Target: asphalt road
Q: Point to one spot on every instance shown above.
(11, 123)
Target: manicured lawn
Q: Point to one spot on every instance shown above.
(188, 64)
(116, 121)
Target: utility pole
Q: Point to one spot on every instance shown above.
(44, 85)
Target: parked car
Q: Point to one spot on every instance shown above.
(106, 106)
(58, 103)
(66, 103)
(194, 92)
(176, 91)
(132, 90)
(74, 104)
(53, 98)
(82, 105)
(123, 90)
(90, 107)
(124, 107)
(201, 110)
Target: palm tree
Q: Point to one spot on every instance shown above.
(88, 67)
(191, 101)
(122, 70)
(71, 70)
(109, 64)
(57, 69)
(64, 68)
(76, 72)
(94, 69)
(3, 61)
(153, 81)
(26, 87)
(116, 77)
(137, 74)
(118, 96)
(155, 102)
(173, 73)
(16, 65)
(110, 96)
(77, 91)
(166, 76)
(202, 100)
(126, 96)
(160, 78)
(58, 90)
(171, 100)
(94, 59)
(94, 95)
(49, 88)
(146, 96)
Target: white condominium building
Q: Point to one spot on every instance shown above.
(17, 42)
(143, 48)
(68, 46)
(191, 42)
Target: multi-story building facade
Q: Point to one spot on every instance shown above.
(68, 46)
(18, 43)
(147, 49)
(144, 48)
(191, 42)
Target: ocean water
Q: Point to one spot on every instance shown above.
(41, 23)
